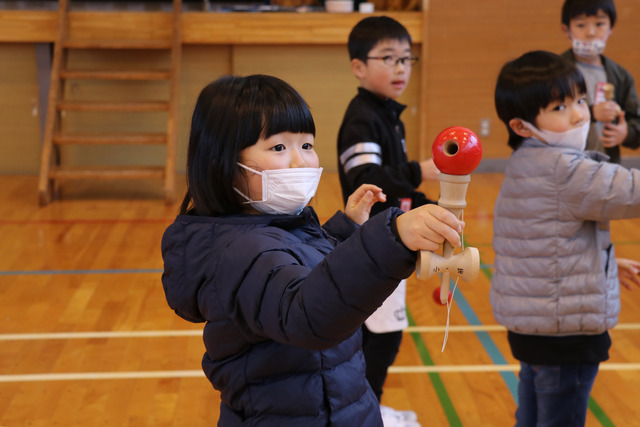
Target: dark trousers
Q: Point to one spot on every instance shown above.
(380, 351)
(556, 395)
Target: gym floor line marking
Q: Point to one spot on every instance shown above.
(97, 335)
(58, 272)
(605, 366)
(83, 376)
(87, 221)
(198, 332)
(101, 271)
(436, 381)
(493, 328)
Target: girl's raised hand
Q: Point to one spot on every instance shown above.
(360, 202)
(426, 227)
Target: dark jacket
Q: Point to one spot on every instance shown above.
(284, 302)
(626, 96)
(371, 150)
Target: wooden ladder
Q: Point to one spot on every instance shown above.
(60, 104)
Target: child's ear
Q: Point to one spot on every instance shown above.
(565, 30)
(358, 67)
(519, 128)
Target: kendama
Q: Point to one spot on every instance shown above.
(456, 152)
(608, 90)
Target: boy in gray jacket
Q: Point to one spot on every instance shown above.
(555, 286)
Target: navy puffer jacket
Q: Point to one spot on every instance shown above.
(283, 300)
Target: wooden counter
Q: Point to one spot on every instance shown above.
(313, 28)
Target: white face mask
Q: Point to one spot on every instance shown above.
(284, 191)
(573, 138)
(588, 48)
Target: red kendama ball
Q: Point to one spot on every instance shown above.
(456, 151)
(436, 296)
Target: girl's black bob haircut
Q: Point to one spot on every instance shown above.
(530, 83)
(231, 114)
(371, 30)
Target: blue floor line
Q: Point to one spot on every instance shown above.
(487, 342)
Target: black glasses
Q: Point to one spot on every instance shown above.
(393, 61)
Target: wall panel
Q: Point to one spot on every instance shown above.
(467, 43)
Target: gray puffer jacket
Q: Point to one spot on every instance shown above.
(555, 269)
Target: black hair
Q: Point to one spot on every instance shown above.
(367, 33)
(573, 8)
(231, 114)
(530, 83)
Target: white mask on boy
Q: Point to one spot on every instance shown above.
(573, 138)
(588, 48)
(284, 191)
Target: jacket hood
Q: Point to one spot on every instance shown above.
(188, 248)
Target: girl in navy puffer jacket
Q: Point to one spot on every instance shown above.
(283, 297)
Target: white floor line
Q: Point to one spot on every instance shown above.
(80, 376)
(198, 332)
(606, 366)
(492, 328)
(455, 328)
(451, 368)
(86, 376)
(105, 334)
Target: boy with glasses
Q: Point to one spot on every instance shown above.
(371, 149)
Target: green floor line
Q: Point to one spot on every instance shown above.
(438, 385)
(600, 415)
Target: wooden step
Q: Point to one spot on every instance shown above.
(108, 172)
(52, 168)
(116, 75)
(110, 138)
(117, 44)
(113, 106)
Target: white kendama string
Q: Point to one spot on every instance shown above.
(450, 301)
(446, 331)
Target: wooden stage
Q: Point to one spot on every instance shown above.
(86, 337)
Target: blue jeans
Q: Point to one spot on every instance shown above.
(555, 395)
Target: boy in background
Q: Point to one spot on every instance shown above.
(556, 285)
(371, 149)
(616, 121)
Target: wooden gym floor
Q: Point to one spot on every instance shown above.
(86, 337)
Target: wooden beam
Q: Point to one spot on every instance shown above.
(198, 27)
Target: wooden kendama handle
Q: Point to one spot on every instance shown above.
(608, 89)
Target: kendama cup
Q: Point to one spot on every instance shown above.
(456, 152)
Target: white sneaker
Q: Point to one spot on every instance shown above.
(393, 418)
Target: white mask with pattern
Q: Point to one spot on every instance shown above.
(588, 48)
